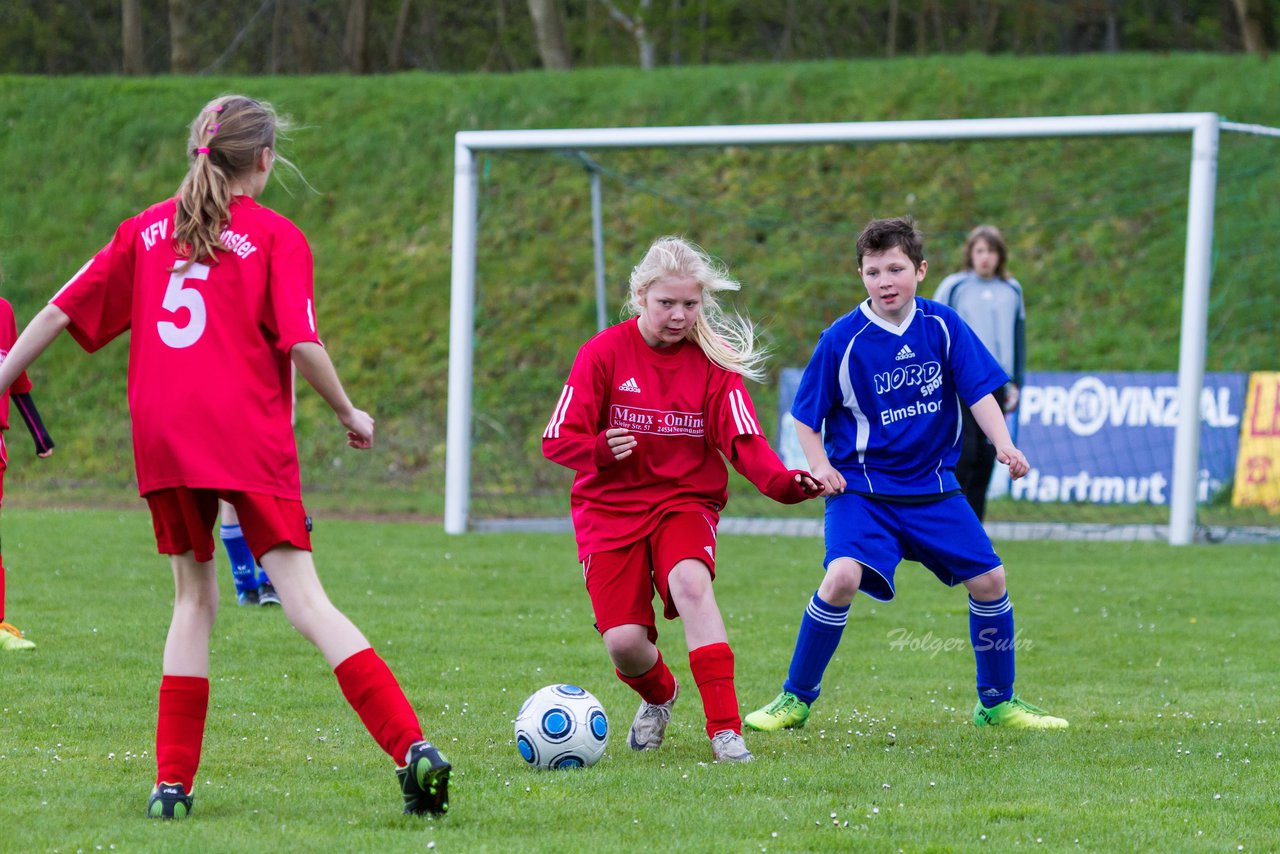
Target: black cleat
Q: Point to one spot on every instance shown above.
(267, 594)
(169, 800)
(425, 780)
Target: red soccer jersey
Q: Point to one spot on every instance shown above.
(210, 386)
(684, 410)
(9, 334)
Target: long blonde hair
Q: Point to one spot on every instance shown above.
(227, 138)
(729, 342)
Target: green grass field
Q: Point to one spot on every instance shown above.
(1162, 658)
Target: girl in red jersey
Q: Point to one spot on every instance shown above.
(650, 406)
(216, 291)
(11, 637)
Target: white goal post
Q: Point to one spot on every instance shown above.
(1203, 128)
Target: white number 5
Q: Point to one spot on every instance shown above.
(177, 297)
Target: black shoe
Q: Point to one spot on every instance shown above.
(425, 780)
(267, 594)
(169, 800)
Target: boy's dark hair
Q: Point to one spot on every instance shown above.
(881, 235)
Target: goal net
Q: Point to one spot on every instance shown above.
(1116, 227)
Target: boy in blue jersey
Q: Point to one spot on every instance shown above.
(886, 381)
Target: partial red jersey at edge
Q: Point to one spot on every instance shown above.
(210, 383)
(684, 410)
(8, 335)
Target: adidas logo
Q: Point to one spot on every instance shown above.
(904, 353)
(630, 385)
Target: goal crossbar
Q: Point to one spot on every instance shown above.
(1202, 127)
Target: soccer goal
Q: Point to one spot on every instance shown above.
(1093, 198)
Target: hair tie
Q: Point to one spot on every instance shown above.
(214, 128)
(217, 109)
(202, 150)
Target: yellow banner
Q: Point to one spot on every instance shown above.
(1258, 461)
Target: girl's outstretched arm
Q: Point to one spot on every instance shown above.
(33, 341)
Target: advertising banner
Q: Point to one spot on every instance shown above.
(1258, 465)
(1107, 437)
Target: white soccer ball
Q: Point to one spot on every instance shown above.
(561, 726)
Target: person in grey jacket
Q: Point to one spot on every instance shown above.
(990, 301)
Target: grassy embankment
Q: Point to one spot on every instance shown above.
(1096, 229)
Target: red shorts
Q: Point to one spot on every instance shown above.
(621, 582)
(184, 517)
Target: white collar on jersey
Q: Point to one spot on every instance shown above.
(865, 308)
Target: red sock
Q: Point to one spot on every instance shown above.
(184, 702)
(372, 690)
(656, 685)
(712, 667)
(1, 589)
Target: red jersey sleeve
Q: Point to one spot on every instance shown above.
(736, 432)
(574, 437)
(99, 298)
(291, 314)
(22, 385)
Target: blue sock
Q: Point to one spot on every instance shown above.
(243, 568)
(991, 633)
(820, 632)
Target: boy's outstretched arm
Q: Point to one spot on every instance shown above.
(33, 341)
(816, 455)
(316, 368)
(991, 419)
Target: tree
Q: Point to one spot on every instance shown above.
(891, 35)
(635, 24)
(396, 54)
(182, 53)
(548, 26)
(275, 60)
(131, 59)
(1254, 24)
(355, 43)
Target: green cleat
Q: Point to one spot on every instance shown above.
(1016, 714)
(11, 639)
(787, 711)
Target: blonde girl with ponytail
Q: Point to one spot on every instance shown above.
(652, 409)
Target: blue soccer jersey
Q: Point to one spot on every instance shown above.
(888, 397)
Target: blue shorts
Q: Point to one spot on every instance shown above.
(943, 535)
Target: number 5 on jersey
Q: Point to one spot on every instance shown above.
(176, 297)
